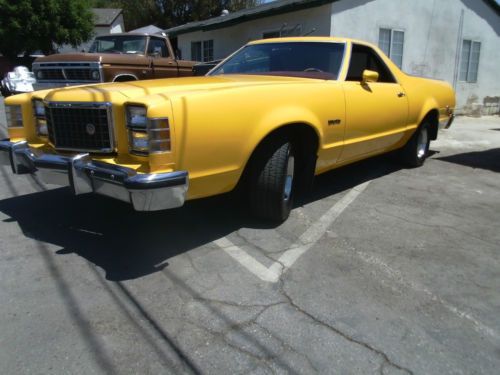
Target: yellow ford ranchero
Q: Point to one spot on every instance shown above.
(266, 119)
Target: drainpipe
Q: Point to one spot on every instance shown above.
(459, 50)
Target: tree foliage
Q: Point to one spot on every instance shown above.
(168, 13)
(30, 25)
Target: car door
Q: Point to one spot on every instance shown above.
(376, 112)
(163, 63)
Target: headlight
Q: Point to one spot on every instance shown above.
(14, 114)
(147, 135)
(38, 108)
(136, 117)
(139, 142)
(39, 74)
(41, 127)
(41, 122)
(95, 75)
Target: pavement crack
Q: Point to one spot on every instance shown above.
(384, 356)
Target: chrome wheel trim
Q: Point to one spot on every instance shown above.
(422, 143)
(290, 170)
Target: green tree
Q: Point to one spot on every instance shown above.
(30, 25)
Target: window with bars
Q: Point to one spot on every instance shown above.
(203, 50)
(469, 63)
(392, 43)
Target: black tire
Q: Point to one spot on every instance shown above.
(416, 150)
(272, 183)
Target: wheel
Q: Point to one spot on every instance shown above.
(416, 150)
(272, 183)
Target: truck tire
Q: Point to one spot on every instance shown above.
(272, 185)
(416, 150)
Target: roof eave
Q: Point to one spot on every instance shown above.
(249, 17)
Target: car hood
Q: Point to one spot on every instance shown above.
(126, 91)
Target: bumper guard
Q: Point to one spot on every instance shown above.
(146, 192)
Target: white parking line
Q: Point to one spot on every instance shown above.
(307, 240)
(396, 275)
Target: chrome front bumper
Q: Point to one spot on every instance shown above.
(146, 192)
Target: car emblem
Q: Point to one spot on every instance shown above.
(90, 128)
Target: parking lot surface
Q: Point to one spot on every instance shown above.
(381, 270)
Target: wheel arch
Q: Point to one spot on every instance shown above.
(126, 77)
(304, 136)
(432, 116)
(430, 112)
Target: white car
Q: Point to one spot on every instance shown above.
(18, 81)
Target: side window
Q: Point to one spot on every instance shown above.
(362, 58)
(157, 46)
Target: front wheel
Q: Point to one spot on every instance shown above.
(272, 184)
(417, 149)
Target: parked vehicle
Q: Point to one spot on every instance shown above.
(112, 58)
(203, 68)
(18, 81)
(265, 120)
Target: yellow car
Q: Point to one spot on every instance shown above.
(267, 120)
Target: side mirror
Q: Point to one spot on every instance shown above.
(369, 76)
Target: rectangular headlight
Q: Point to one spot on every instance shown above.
(14, 114)
(136, 116)
(139, 142)
(38, 108)
(41, 127)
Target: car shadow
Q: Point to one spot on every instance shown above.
(128, 244)
(488, 160)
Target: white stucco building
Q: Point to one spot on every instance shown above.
(454, 40)
(106, 21)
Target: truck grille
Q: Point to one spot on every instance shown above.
(64, 72)
(78, 74)
(80, 126)
(53, 74)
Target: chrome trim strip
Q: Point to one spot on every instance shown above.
(83, 105)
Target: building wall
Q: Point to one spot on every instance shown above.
(229, 39)
(116, 27)
(433, 29)
(432, 42)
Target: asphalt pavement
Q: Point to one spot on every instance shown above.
(382, 270)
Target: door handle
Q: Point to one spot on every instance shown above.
(401, 94)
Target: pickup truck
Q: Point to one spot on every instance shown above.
(112, 58)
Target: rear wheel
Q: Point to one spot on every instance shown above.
(417, 149)
(272, 182)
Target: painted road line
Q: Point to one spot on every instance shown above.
(305, 242)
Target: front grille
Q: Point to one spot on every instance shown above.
(78, 74)
(53, 74)
(59, 71)
(80, 127)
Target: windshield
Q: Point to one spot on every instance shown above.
(119, 44)
(304, 59)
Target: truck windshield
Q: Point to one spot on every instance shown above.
(320, 60)
(119, 44)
